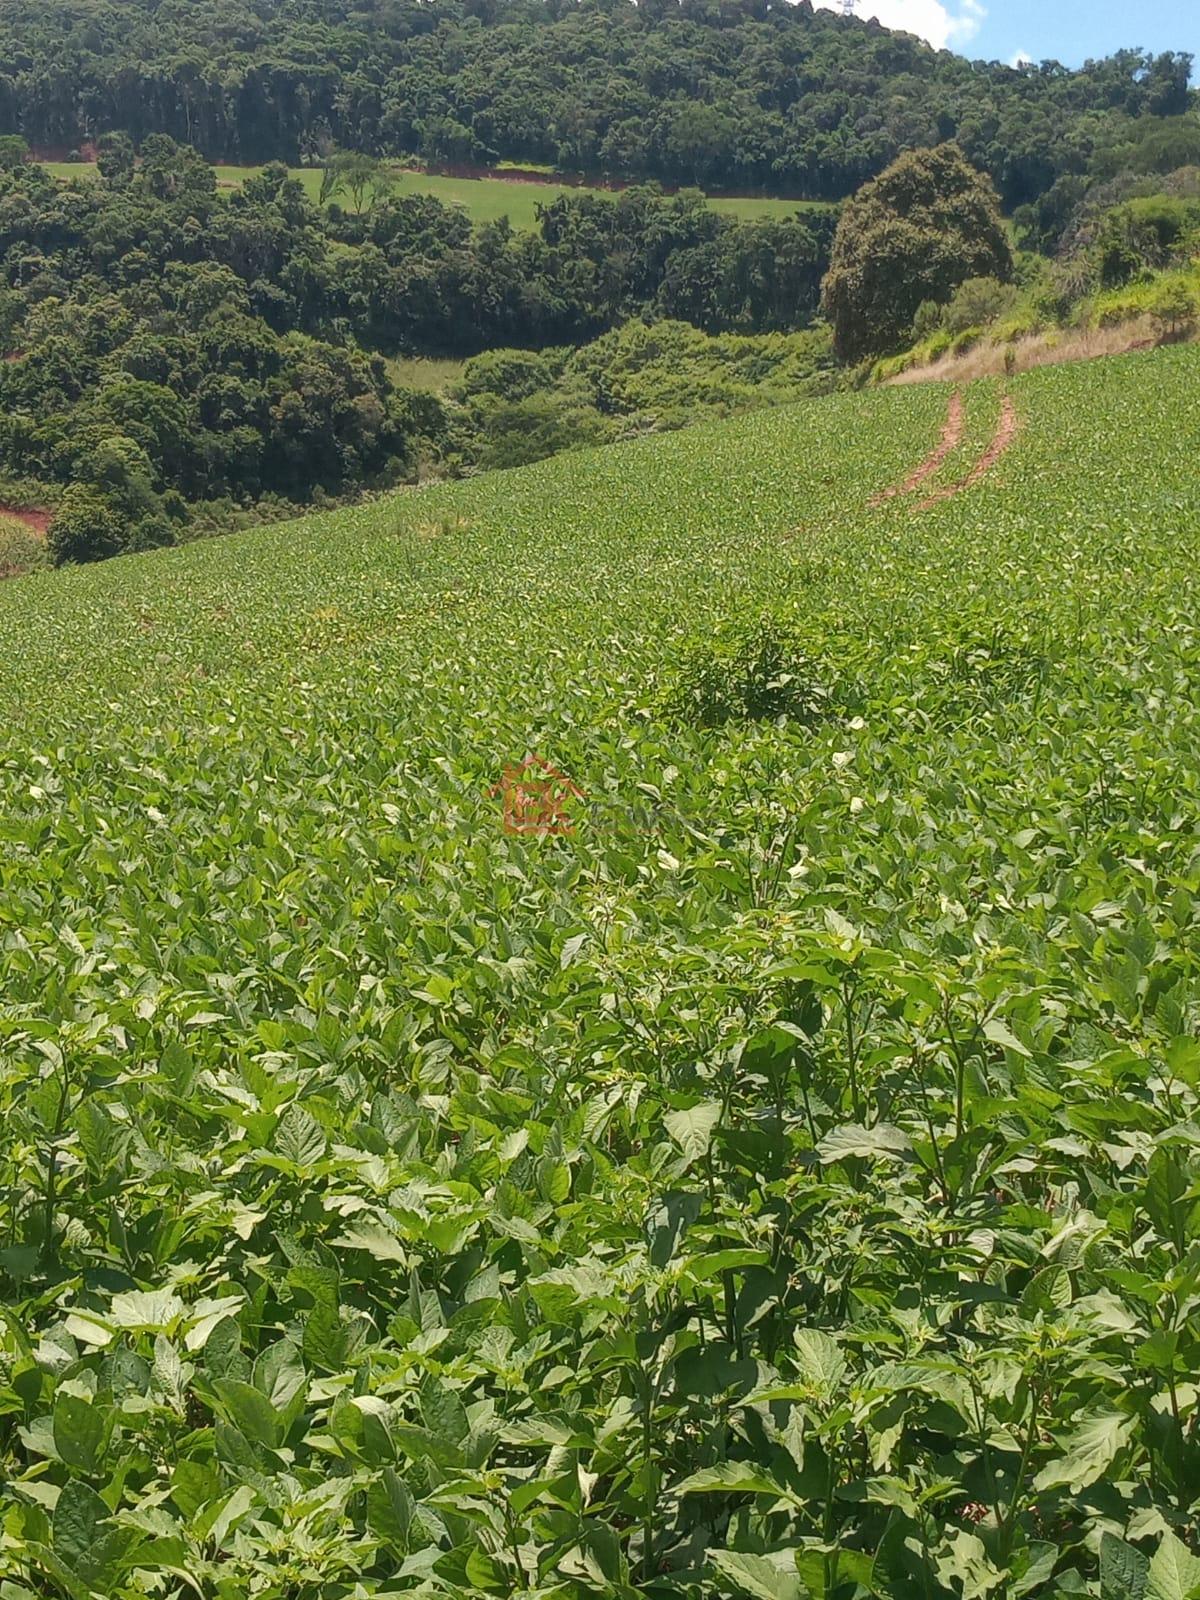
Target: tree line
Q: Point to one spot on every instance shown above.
(737, 94)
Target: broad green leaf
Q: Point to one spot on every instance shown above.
(693, 1129)
(80, 1432)
(734, 1477)
(1123, 1570)
(820, 1360)
(327, 1338)
(390, 1509)
(279, 1373)
(194, 1484)
(41, 1557)
(78, 1518)
(155, 1312)
(378, 1444)
(170, 1374)
(1088, 1452)
(375, 1240)
(219, 1519)
(882, 1142)
(755, 1575)
(553, 1180)
(442, 1412)
(205, 1316)
(998, 1033)
(250, 1410)
(1048, 1292)
(701, 1269)
(299, 1138)
(963, 1565)
(1173, 1573)
(1167, 1186)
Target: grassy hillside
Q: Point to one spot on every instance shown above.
(483, 199)
(766, 1165)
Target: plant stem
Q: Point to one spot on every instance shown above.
(851, 1047)
(830, 1561)
(1006, 1530)
(648, 1496)
(52, 1165)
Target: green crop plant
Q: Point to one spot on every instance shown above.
(774, 1176)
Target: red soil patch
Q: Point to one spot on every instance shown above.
(88, 152)
(35, 517)
(951, 437)
(1006, 431)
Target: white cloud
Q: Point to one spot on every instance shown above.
(1022, 59)
(946, 26)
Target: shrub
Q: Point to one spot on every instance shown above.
(20, 549)
(1018, 324)
(517, 432)
(748, 672)
(1140, 236)
(1174, 308)
(1064, 287)
(927, 320)
(509, 374)
(1172, 301)
(85, 527)
(977, 303)
(115, 158)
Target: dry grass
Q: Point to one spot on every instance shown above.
(1036, 350)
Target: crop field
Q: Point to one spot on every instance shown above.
(625, 1028)
(483, 199)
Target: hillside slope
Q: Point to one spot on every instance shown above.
(718, 1174)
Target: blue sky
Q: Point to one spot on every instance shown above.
(1066, 30)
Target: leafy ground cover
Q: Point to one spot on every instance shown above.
(483, 199)
(507, 408)
(773, 1175)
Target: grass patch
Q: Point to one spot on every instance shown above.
(483, 199)
(424, 372)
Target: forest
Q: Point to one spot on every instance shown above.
(725, 94)
(168, 347)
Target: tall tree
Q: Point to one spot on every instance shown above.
(925, 225)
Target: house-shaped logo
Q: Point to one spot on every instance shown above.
(535, 797)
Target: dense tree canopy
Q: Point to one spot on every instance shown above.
(166, 345)
(721, 93)
(156, 351)
(926, 225)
